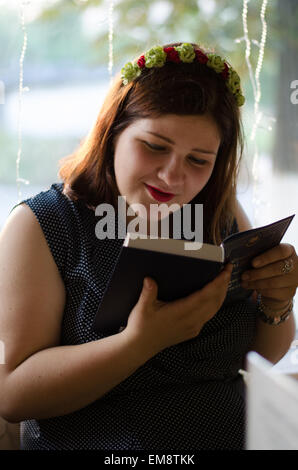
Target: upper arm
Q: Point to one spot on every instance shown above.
(32, 293)
(243, 221)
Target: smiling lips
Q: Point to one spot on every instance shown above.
(158, 194)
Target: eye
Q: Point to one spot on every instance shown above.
(198, 161)
(154, 146)
(158, 148)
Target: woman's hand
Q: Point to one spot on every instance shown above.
(158, 325)
(274, 275)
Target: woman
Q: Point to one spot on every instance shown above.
(169, 127)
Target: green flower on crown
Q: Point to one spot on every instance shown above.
(155, 57)
(186, 53)
(233, 82)
(129, 72)
(216, 63)
(240, 99)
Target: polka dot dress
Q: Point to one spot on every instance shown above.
(188, 397)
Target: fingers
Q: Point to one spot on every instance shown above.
(270, 276)
(148, 283)
(278, 269)
(149, 291)
(276, 282)
(222, 280)
(218, 287)
(278, 294)
(168, 323)
(271, 270)
(214, 291)
(277, 274)
(279, 252)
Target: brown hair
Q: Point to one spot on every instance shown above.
(181, 89)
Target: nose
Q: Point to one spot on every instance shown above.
(172, 172)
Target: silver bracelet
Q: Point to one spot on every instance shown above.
(277, 319)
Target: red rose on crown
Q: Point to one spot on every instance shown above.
(172, 55)
(225, 72)
(141, 62)
(201, 57)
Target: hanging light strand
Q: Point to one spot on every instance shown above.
(111, 33)
(247, 45)
(256, 86)
(20, 100)
(259, 67)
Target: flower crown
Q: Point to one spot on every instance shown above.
(157, 56)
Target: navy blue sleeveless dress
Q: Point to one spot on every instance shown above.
(189, 396)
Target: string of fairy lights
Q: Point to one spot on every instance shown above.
(22, 90)
(254, 80)
(110, 38)
(258, 114)
(256, 86)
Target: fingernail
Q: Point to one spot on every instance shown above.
(245, 277)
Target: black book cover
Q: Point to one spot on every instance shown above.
(177, 275)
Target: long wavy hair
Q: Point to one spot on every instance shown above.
(180, 89)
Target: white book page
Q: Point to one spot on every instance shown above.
(177, 247)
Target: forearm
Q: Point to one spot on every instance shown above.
(60, 380)
(272, 342)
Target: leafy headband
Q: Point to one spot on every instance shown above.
(157, 56)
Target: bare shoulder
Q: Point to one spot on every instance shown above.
(32, 293)
(23, 217)
(22, 239)
(242, 218)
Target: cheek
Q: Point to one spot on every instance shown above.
(123, 162)
(130, 166)
(140, 164)
(206, 173)
(201, 179)
(141, 155)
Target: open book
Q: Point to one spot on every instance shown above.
(179, 272)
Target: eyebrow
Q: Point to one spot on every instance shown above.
(209, 152)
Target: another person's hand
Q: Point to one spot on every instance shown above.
(158, 325)
(275, 277)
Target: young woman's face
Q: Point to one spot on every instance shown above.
(175, 154)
